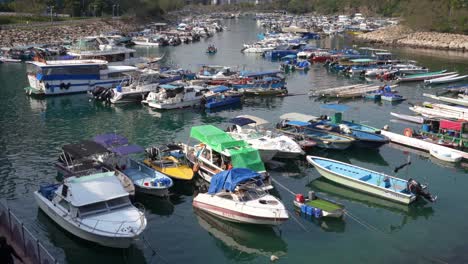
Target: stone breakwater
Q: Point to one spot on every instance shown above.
(59, 32)
(402, 36)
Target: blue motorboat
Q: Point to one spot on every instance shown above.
(145, 179)
(221, 98)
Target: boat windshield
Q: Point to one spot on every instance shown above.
(103, 207)
(250, 194)
(33, 69)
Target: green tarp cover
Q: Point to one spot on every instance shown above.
(242, 156)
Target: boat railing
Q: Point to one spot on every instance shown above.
(123, 228)
(22, 239)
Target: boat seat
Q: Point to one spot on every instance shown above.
(366, 178)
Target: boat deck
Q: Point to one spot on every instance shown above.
(324, 205)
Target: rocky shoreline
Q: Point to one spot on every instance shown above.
(403, 36)
(59, 32)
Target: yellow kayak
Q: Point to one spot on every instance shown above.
(171, 167)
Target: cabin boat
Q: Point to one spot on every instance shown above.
(72, 76)
(375, 183)
(234, 196)
(95, 208)
(268, 144)
(145, 179)
(173, 96)
(170, 161)
(215, 72)
(218, 151)
(453, 131)
(102, 48)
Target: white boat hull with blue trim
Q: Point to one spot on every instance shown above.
(371, 182)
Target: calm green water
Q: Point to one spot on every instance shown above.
(32, 132)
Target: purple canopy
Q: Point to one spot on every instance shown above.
(128, 149)
(110, 140)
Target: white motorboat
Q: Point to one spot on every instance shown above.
(268, 144)
(138, 88)
(218, 151)
(73, 76)
(95, 208)
(215, 72)
(173, 96)
(146, 41)
(445, 154)
(234, 196)
(409, 118)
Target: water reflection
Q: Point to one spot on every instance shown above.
(236, 238)
(75, 246)
(420, 208)
(334, 225)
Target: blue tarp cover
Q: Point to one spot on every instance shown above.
(297, 123)
(229, 179)
(220, 89)
(168, 86)
(336, 107)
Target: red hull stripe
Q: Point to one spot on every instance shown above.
(224, 210)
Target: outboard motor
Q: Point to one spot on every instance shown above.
(97, 91)
(416, 188)
(152, 153)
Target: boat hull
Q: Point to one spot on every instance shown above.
(236, 216)
(367, 188)
(47, 207)
(183, 104)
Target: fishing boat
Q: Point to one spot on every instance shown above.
(221, 96)
(318, 207)
(448, 156)
(375, 183)
(409, 118)
(324, 139)
(337, 118)
(268, 144)
(234, 196)
(95, 208)
(424, 76)
(453, 131)
(447, 79)
(173, 96)
(169, 160)
(218, 151)
(211, 49)
(457, 101)
(72, 76)
(145, 179)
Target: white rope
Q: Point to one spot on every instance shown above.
(284, 187)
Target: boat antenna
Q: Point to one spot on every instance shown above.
(408, 162)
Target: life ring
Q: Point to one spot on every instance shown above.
(408, 132)
(196, 167)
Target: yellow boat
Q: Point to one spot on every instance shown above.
(166, 160)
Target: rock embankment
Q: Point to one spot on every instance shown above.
(61, 32)
(402, 36)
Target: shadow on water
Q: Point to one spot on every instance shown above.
(367, 155)
(333, 225)
(75, 247)
(242, 242)
(413, 211)
(156, 205)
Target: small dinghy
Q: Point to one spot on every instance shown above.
(318, 207)
(372, 182)
(211, 49)
(445, 155)
(234, 196)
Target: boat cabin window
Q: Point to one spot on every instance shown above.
(118, 202)
(75, 70)
(92, 209)
(132, 54)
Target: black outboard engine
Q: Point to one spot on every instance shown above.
(152, 153)
(416, 188)
(97, 91)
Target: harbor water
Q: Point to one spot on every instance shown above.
(33, 130)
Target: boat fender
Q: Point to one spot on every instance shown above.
(408, 132)
(310, 210)
(318, 213)
(300, 198)
(303, 208)
(196, 167)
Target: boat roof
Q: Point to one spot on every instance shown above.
(258, 121)
(336, 107)
(259, 74)
(230, 179)
(67, 63)
(220, 89)
(297, 123)
(84, 149)
(362, 60)
(298, 117)
(94, 188)
(121, 68)
(110, 140)
(169, 86)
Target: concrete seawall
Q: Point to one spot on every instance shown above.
(402, 36)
